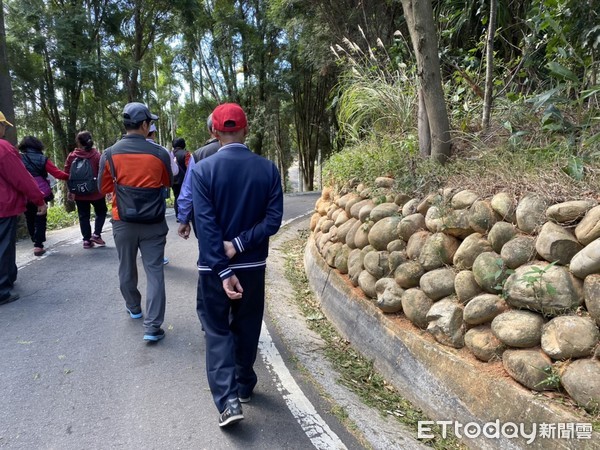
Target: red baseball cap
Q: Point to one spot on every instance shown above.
(229, 117)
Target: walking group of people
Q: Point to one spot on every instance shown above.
(231, 197)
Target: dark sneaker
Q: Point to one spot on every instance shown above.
(88, 244)
(38, 251)
(135, 315)
(97, 240)
(245, 399)
(232, 414)
(9, 298)
(154, 336)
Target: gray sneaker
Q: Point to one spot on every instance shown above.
(232, 414)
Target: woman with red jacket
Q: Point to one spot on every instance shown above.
(39, 166)
(85, 150)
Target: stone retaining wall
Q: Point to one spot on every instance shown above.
(516, 280)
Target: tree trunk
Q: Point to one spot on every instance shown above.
(6, 93)
(489, 68)
(419, 18)
(423, 130)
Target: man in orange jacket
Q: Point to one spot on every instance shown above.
(17, 186)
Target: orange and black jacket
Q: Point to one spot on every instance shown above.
(138, 163)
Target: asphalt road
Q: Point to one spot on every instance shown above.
(76, 374)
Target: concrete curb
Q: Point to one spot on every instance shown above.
(435, 378)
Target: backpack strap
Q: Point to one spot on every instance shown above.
(111, 165)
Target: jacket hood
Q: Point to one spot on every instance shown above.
(83, 153)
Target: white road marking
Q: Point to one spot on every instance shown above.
(319, 433)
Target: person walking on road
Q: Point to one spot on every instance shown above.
(151, 137)
(238, 205)
(85, 151)
(137, 172)
(39, 166)
(17, 187)
(184, 202)
(182, 156)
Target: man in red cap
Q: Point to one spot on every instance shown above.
(17, 186)
(238, 205)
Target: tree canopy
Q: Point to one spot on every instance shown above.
(292, 65)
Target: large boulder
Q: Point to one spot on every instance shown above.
(395, 259)
(341, 259)
(446, 324)
(483, 344)
(531, 368)
(384, 182)
(364, 214)
(581, 380)
(353, 201)
(377, 263)
(352, 232)
(383, 232)
(355, 265)
(555, 243)
(591, 294)
(314, 219)
(588, 229)
(482, 216)
(361, 236)
(452, 222)
(367, 282)
(489, 272)
(344, 199)
(416, 305)
(340, 217)
(516, 328)
(409, 225)
(358, 206)
(410, 207)
(401, 199)
(466, 286)
(483, 308)
(587, 261)
(397, 245)
(542, 287)
(500, 234)
(389, 295)
(427, 202)
(332, 253)
(438, 251)
(569, 211)
(518, 251)
(438, 283)
(531, 212)
(568, 337)
(469, 249)
(407, 275)
(322, 205)
(505, 206)
(344, 228)
(384, 210)
(416, 243)
(464, 199)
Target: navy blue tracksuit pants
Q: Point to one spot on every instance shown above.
(232, 329)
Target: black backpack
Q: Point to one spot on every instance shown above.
(81, 178)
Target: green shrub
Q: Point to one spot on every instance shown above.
(59, 218)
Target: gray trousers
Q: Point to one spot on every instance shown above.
(150, 239)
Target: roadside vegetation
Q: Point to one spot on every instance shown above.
(547, 141)
(355, 372)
